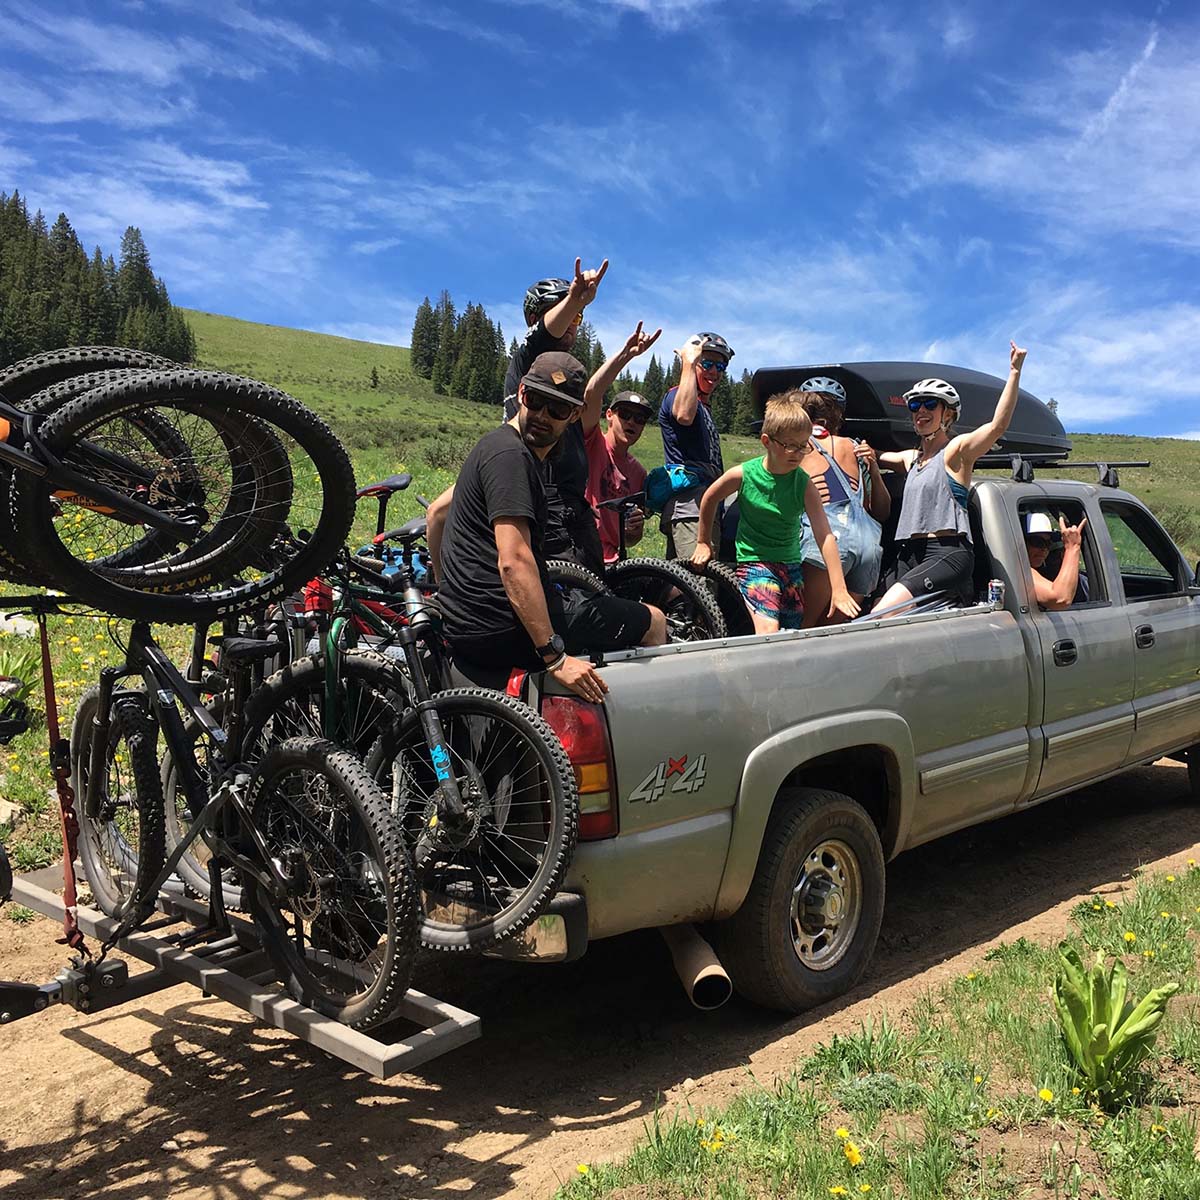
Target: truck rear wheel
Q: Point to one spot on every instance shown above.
(807, 928)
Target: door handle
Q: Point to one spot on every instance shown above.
(1065, 653)
(1143, 637)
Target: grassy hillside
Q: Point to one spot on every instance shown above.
(404, 425)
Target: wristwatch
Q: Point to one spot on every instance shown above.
(553, 648)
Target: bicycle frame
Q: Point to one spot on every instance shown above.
(167, 690)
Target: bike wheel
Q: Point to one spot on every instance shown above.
(92, 434)
(370, 693)
(343, 936)
(722, 582)
(692, 613)
(489, 876)
(568, 574)
(21, 380)
(122, 846)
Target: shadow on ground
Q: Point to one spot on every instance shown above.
(591, 1043)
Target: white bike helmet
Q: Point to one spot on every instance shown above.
(1039, 522)
(826, 386)
(939, 388)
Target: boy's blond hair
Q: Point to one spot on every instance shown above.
(786, 417)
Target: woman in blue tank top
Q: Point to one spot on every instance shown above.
(933, 537)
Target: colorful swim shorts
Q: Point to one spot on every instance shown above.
(774, 590)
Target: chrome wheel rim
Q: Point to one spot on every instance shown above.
(826, 907)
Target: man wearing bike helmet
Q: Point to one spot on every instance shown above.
(691, 439)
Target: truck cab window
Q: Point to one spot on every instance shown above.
(1041, 523)
(1150, 564)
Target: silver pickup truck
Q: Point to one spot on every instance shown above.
(761, 783)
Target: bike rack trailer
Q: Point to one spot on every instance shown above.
(233, 968)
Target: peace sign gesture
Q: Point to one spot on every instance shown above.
(584, 285)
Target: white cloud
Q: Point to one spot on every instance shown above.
(1192, 435)
(1087, 157)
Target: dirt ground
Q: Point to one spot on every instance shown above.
(181, 1096)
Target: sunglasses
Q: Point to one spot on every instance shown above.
(637, 415)
(1042, 541)
(559, 410)
(713, 364)
(918, 402)
(789, 446)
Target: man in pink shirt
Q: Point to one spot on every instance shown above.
(613, 471)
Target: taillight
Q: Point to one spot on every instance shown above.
(584, 735)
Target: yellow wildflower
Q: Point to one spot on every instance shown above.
(1165, 915)
(970, 974)
(1046, 1095)
(853, 1154)
(838, 1190)
(1109, 904)
(1147, 953)
(1191, 862)
(843, 1133)
(978, 1078)
(864, 1188)
(1130, 937)
(583, 1168)
(1170, 878)
(1074, 1091)
(1158, 1129)
(991, 1112)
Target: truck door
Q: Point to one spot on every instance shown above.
(1164, 631)
(1087, 669)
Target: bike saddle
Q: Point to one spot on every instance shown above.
(385, 487)
(242, 649)
(408, 532)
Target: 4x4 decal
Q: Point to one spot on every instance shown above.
(687, 777)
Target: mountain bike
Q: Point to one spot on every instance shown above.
(164, 494)
(326, 876)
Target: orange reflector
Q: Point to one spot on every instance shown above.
(5, 429)
(594, 825)
(591, 777)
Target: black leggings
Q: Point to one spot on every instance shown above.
(934, 564)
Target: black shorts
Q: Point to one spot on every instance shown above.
(587, 621)
(941, 564)
(591, 621)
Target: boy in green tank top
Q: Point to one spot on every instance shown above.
(773, 494)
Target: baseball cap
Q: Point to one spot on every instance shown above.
(1039, 522)
(559, 374)
(633, 400)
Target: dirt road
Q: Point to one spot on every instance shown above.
(176, 1095)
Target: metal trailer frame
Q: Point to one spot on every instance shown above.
(234, 968)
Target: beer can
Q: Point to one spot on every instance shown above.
(996, 592)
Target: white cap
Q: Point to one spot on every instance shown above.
(1038, 522)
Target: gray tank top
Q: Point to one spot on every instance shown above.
(933, 501)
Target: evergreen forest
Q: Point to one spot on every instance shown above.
(52, 294)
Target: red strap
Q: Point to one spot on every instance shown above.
(516, 682)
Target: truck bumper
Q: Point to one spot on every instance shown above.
(560, 934)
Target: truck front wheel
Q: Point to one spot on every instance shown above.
(808, 925)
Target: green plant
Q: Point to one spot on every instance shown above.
(21, 659)
(1107, 1034)
(20, 915)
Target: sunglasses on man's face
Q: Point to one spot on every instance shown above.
(637, 415)
(559, 410)
(919, 402)
(713, 364)
(1039, 542)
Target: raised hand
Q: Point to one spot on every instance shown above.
(639, 342)
(584, 285)
(1016, 356)
(1072, 535)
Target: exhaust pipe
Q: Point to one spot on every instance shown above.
(698, 968)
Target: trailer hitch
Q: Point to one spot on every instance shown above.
(84, 985)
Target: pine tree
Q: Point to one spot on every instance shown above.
(652, 386)
(135, 280)
(374, 377)
(722, 403)
(582, 348)
(444, 359)
(424, 340)
(743, 407)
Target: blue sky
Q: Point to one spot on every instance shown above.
(818, 180)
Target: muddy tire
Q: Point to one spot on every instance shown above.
(807, 928)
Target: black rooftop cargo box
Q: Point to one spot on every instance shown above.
(876, 412)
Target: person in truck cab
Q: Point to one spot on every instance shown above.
(1062, 590)
(691, 439)
(499, 609)
(933, 537)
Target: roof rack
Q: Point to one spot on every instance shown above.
(1022, 466)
